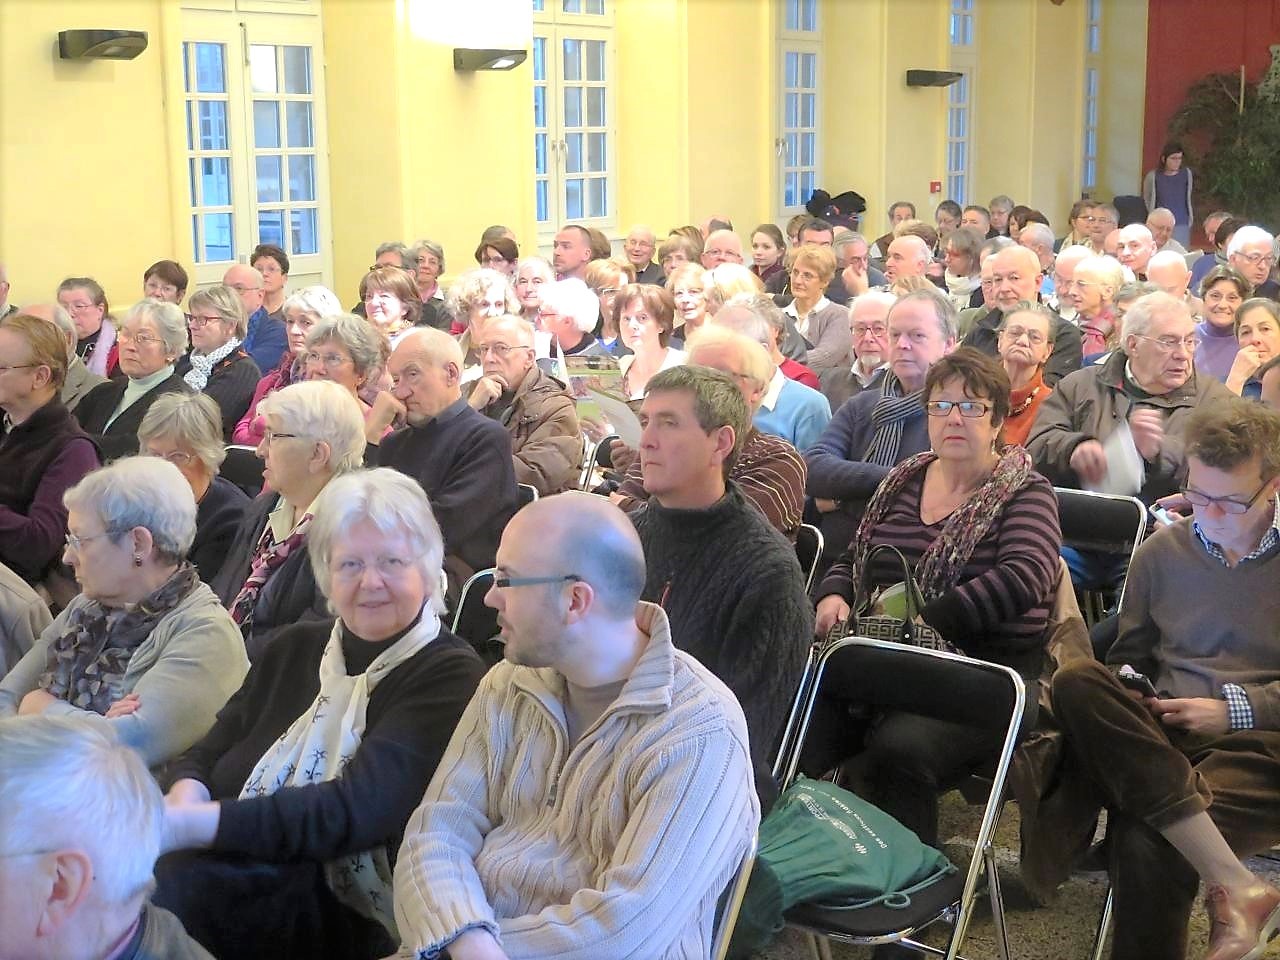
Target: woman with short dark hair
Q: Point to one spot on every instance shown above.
(645, 315)
(165, 280)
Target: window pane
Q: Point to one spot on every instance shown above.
(571, 6)
(962, 122)
(218, 241)
(540, 153)
(793, 150)
(195, 239)
(595, 152)
(1095, 39)
(302, 178)
(595, 107)
(193, 180)
(954, 32)
(793, 14)
(808, 107)
(186, 72)
(806, 187)
(792, 118)
(791, 190)
(215, 181)
(809, 70)
(210, 73)
(537, 5)
(573, 107)
(595, 7)
(806, 150)
(1091, 82)
(540, 107)
(968, 31)
(213, 124)
(792, 74)
(266, 124)
(573, 153)
(539, 59)
(571, 68)
(271, 227)
(302, 229)
(809, 20)
(297, 69)
(262, 68)
(594, 53)
(541, 196)
(297, 115)
(596, 197)
(269, 189)
(573, 199)
(191, 143)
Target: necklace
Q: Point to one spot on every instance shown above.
(1022, 407)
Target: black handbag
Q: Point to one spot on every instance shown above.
(876, 626)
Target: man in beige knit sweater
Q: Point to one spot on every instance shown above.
(597, 795)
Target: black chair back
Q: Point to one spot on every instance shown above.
(1100, 521)
(243, 468)
(526, 493)
(473, 621)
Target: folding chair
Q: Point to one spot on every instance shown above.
(526, 493)
(597, 455)
(809, 545)
(731, 902)
(1100, 522)
(243, 468)
(1104, 926)
(893, 676)
(473, 621)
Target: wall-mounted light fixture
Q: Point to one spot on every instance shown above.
(467, 59)
(932, 78)
(101, 44)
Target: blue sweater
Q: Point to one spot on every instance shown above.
(265, 340)
(799, 416)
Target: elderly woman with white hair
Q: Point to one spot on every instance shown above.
(217, 364)
(186, 430)
(570, 312)
(532, 276)
(1092, 292)
(314, 432)
(299, 794)
(428, 261)
(303, 309)
(350, 352)
(476, 296)
(145, 644)
(152, 336)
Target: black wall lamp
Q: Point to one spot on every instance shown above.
(101, 44)
(932, 78)
(466, 59)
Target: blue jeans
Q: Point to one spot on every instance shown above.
(1095, 570)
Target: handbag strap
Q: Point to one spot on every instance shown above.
(862, 598)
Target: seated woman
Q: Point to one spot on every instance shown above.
(84, 299)
(428, 261)
(186, 430)
(314, 432)
(960, 254)
(474, 297)
(645, 314)
(1025, 342)
(1258, 333)
(43, 451)
(768, 250)
(980, 529)
(677, 249)
(217, 365)
(349, 352)
(165, 280)
(301, 790)
(303, 309)
(498, 253)
(605, 278)
(390, 302)
(1225, 289)
(828, 339)
(532, 273)
(1095, 286)
(146, 644)
(152, 337)
(688, 286)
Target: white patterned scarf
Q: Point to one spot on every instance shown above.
(321, 742)
(202, 364)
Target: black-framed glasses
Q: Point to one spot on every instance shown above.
(1225, 504)
(505, 582)
(18, 366)
(269, 435)
(969, 409)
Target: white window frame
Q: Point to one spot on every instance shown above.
(1092, 82)
(276, 23)
(963, 47)
(800, 36)
(553, 26)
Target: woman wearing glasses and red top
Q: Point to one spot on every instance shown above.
(979, 528)
(84, 299)
(217, 365)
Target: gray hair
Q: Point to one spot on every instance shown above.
(761, 306)
(1030, 306)
(167, 318)
(470, 287)
(190, 419)
(1000, 201)
(541, 263)
(321, 410)
(314, 301)
(427, 246)
(392, 502)
(398, 248)
(1132, 290)
(367, 344)
(1143, 312)
(572, 298)
(993, 246)
(1106, 269)
(1247, 234)
(942, 306)
(848, 237)
(226, 303)
(1037, 233)
(67, 782)
(142, 492)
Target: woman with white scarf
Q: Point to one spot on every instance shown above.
(963, 267)
(298, 795)
(217, 365)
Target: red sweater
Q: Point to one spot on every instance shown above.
(794, 370)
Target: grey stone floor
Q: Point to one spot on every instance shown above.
(1064, 931)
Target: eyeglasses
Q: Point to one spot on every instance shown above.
(492, 261)
(969, 409)
(141, 339)
(499, 350)
(197, 322)
(269, 435)
(176, 457)
(389, 568)
(1225, 504)
(875, 329)
(505, 582)
(75, 543)
(1256, 259)
(159, 289)
(804, 276)
(1170, 344)
(80, 307)
(18, 366)
(242, 288)
(1034, 337)
(330, 360)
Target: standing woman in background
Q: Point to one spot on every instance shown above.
(1169, 186)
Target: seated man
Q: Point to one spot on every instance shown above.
(870, 350)
(730, 583)
(461, 458)
(879, 427)
(79, 834)
(535, 408)
(596, 796)
(1189, 777)
(769, 470)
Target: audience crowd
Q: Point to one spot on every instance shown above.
(242, 713)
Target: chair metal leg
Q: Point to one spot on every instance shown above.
(1104, 927)
(997, 903)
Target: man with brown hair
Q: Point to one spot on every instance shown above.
(1188, 769)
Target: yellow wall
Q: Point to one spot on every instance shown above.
(1122, 97)
(84, 160)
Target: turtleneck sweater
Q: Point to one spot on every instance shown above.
(732, 588)
(1217, 350)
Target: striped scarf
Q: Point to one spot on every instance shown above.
(888, 416)
(266, 557)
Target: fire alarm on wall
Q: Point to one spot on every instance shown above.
(935, 186)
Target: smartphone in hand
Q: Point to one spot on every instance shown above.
(1133, 680)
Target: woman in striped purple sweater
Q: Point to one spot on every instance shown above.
(980, 529)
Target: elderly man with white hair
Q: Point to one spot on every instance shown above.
(1039, 239)
(1161, 223)
(1064, 269)
(1134, 249)
(569, 312)
(80, 830)
(79, 379)
(908, 256)
(639, 248)
(1252, 252)
(722, 246)
(1168, 270)
(868, 322)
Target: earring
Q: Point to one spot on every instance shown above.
(137, 559)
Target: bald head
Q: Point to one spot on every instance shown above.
(247, 282)
(1135, 247)
(1015, 276)
(512, 330)
(722, 246)
(1161, 222)
(55, 314)
(908, 257)
(1168, 271)
(427, 343)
